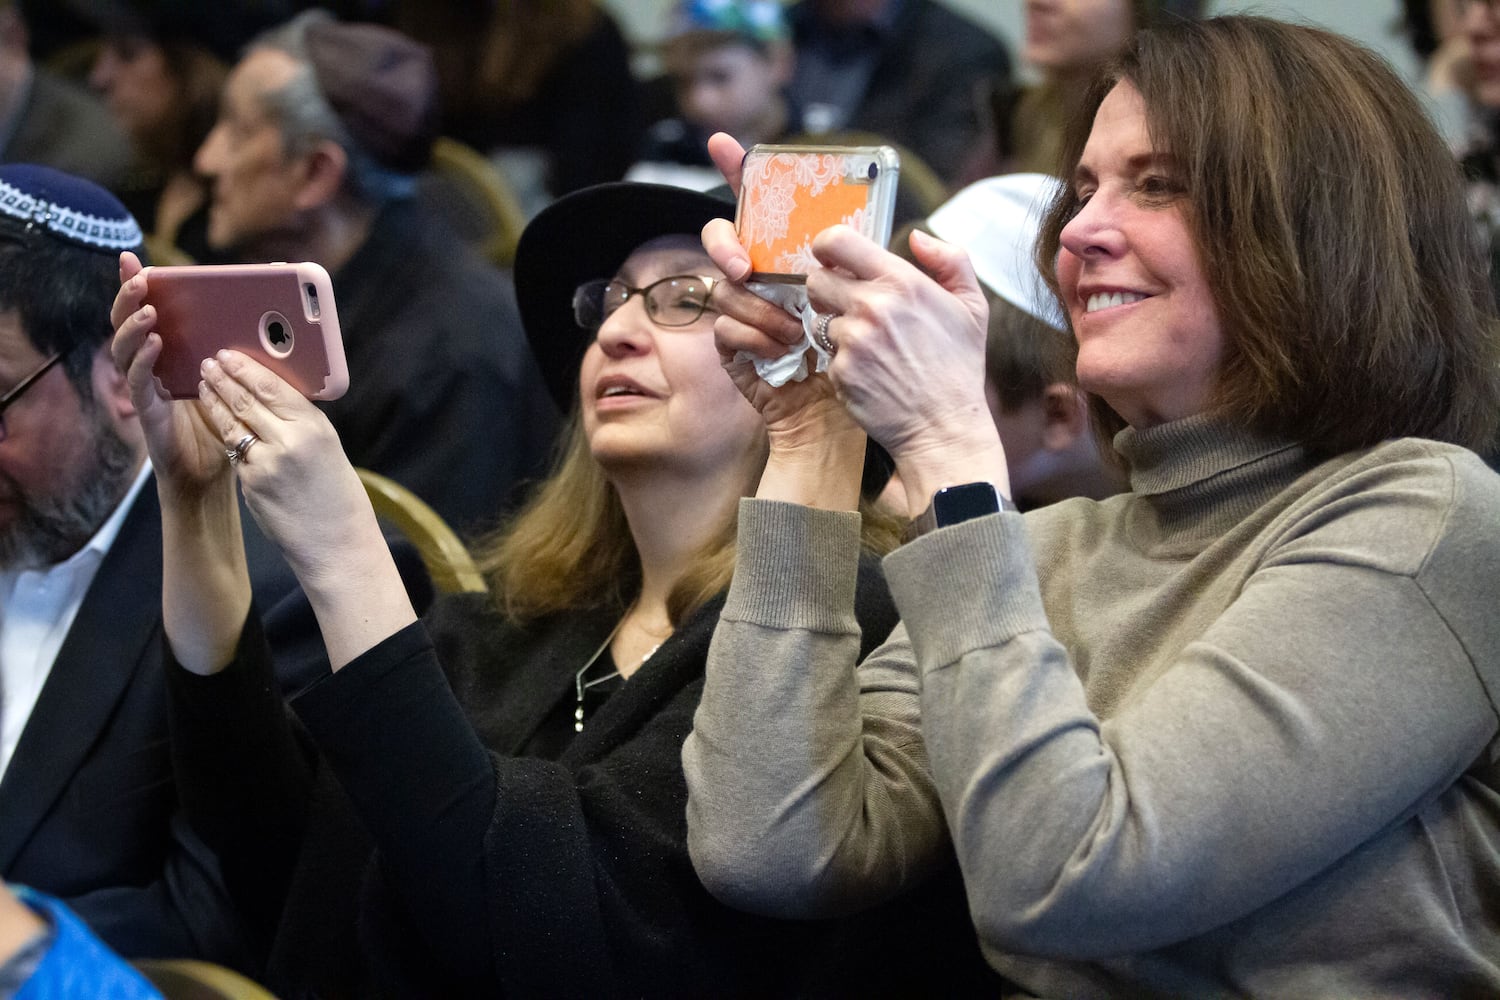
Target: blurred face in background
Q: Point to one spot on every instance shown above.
(1063, 35)
(255, 182)
(728, 86)
(1479, 21)
(132, 74)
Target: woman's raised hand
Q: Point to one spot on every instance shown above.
(748, 323)
(308, 499)
(302, 490)
(816, 448)
(185, 452)
(296, 479)
(205, 583)
(910, 361)
(909, 365)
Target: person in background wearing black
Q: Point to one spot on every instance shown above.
(911, 71)
(544, 87)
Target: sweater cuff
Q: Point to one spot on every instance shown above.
(966, 587)
(796, 567)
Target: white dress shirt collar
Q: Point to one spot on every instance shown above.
(37, 608)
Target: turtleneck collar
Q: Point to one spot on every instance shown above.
(1203, 474)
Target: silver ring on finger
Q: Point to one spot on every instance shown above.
(241, 448)
(820, 334)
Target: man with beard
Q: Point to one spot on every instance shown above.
(87, 791)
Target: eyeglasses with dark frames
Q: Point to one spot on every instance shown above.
(18, 390)
(674, 301)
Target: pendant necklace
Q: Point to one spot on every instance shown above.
(583, 685)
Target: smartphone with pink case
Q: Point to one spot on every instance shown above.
(282, 315)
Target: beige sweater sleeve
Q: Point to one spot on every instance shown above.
(808, 787)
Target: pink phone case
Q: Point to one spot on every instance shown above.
(283, 315)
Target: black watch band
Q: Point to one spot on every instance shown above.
(956, 504)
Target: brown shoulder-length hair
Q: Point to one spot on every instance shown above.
(570, 546)
(1331, 224)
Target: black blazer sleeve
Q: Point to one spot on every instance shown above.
(243, 774)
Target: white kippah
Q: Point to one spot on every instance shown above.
(996, 221)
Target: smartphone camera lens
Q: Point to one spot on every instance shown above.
(276, 334)
(312, 300)
(874, 171)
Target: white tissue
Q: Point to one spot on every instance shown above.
(791, 366)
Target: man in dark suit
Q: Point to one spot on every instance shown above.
(88, 804)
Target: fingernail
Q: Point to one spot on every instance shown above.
(209, 364)
(741, 266)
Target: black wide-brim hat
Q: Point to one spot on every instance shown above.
(587, 235)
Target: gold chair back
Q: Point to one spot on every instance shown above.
(190, 979)
(475, 197)
(447, 560)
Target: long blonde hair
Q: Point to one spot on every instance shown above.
(570, 545)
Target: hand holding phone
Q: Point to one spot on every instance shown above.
(283, 315)
(789, 194)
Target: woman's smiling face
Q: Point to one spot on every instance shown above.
(1149, 337)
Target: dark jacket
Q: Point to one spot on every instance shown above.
(927, 88)
(89, 810)
(585, 115)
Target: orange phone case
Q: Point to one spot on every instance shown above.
(789, 194)
(283, 315)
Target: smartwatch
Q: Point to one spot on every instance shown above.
(956, 504)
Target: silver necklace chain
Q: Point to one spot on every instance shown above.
(581, 685)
